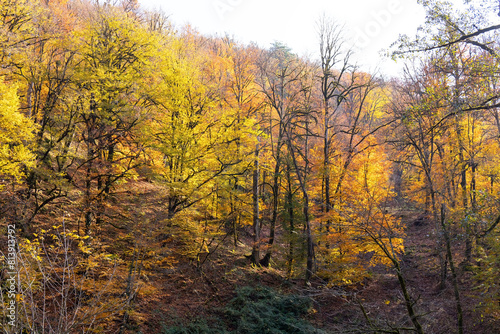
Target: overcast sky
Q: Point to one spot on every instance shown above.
(370, 25)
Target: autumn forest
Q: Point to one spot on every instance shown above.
(157, 180)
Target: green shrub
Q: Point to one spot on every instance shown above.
(262, 310)
(258, 310)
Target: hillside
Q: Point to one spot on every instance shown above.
(156, 180)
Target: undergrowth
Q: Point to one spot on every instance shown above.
(256, 310)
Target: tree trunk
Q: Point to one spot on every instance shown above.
(453, 271)
(305, 208)
(291, 220)
(276, 184)
(255, 257)
(310, 245)
(408, 302)
(88, 190)
(326, 170)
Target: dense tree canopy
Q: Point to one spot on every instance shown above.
(131, 149)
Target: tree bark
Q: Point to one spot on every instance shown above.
(453, 271)
(255, 257)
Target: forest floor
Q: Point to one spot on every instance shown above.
(183, 289)
(187, 291)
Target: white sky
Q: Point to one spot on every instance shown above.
(371, 25)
